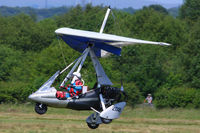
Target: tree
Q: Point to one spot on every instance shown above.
(191, 58)
(190, 10)
(158, 8)
(30, 53)
(149, 66)
(9, 60)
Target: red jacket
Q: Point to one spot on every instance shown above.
(76, 88)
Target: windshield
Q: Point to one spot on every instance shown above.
(48, 83)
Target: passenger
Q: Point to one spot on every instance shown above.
(75, 88)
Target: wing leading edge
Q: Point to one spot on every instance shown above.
(79, 40)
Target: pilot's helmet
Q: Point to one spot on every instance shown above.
(77, 74)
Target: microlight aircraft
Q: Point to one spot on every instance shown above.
(103, 99)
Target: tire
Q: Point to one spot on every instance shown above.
(40, 108)
(106, 121)
(93, 125)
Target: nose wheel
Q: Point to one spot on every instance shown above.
(93, 121)
(40, 108)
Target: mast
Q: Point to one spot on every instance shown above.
(105, 20)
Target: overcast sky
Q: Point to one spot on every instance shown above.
(114, 3)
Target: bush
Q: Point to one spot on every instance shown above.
(5, 98)
(176, 97)
(12, 92)
(161, 98)
(196, 100)
(134, 95)
(180, 97)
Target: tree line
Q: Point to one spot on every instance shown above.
(30, 53)
(39, 14)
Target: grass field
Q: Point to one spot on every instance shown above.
(23, 119)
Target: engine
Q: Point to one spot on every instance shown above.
(111, 93)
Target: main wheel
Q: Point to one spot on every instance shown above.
(40, 108)
(93, 125)
(106, 121)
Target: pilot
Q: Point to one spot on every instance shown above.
(75, 88)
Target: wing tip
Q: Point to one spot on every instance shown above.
(166, 44)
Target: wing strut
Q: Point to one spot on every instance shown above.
(79, 61)
(102, 78)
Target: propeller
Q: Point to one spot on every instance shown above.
(123, 92)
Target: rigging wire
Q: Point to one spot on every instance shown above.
(120, 61)
(69, 65)
(116, 23)
(120, 58)
(62, 51)
(65, 60)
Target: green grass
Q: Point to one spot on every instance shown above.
(23, 119)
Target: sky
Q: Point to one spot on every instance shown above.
(136, 4)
